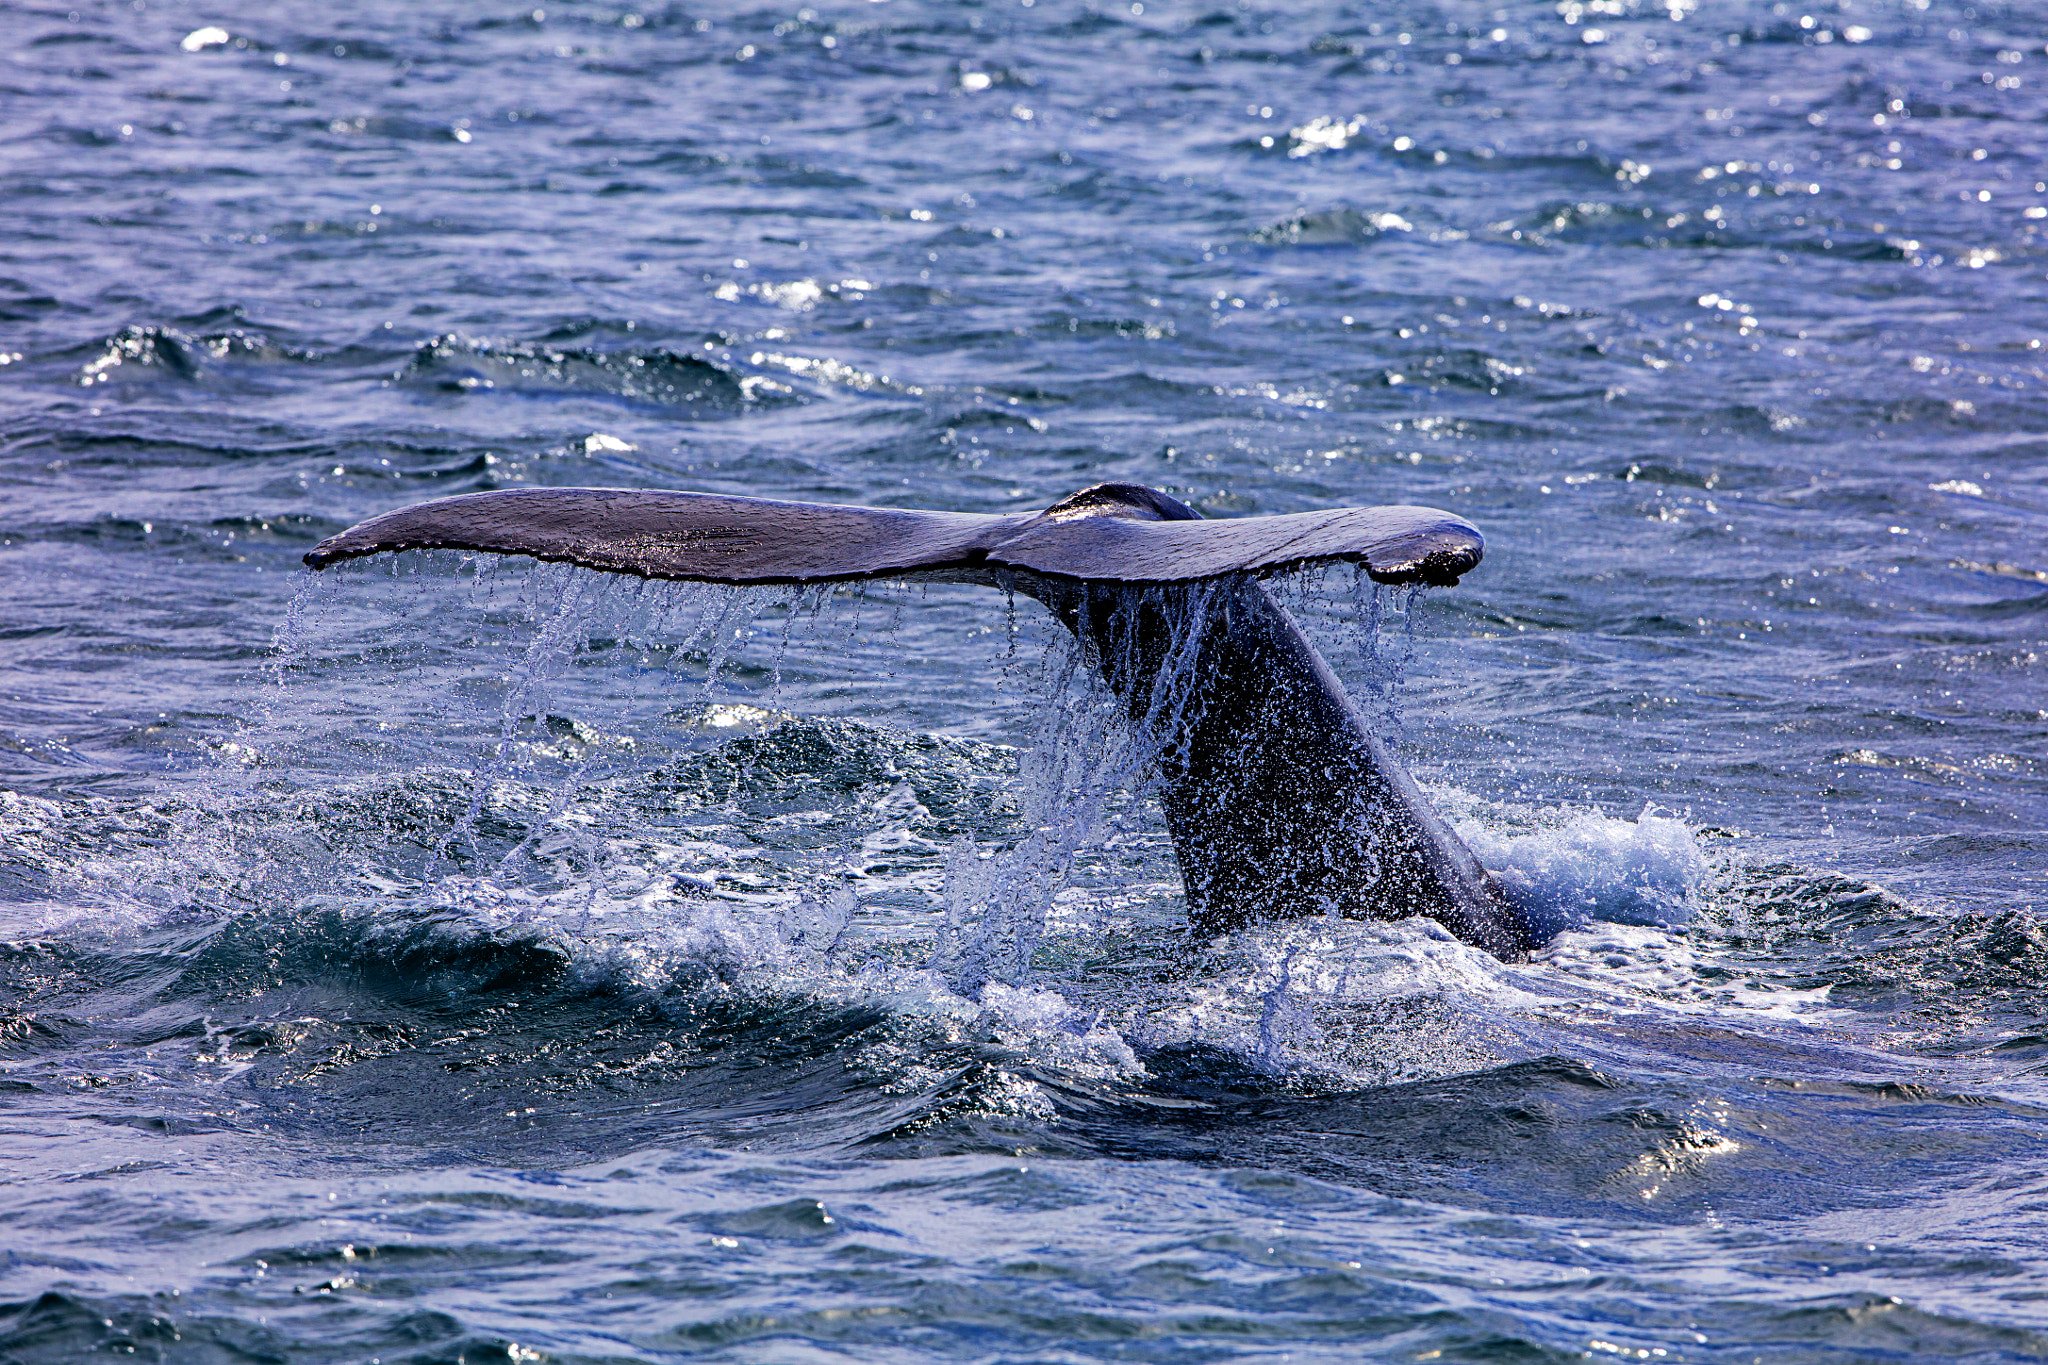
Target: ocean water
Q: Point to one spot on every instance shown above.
(449, 959)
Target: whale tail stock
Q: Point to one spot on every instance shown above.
(1281, 801)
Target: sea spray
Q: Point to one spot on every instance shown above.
(605, 848)
(578, 826)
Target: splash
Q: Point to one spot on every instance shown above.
(635, 793)
(1589, 866)
(547, 783)
(597, 789)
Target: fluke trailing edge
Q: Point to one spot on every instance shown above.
(1281, 801)
(1112, 533)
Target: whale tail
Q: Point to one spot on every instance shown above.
(1114, 532)
(1281, 801)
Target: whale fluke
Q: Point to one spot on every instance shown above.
(1281, 800)
(709, 537)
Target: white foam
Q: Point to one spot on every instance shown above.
(1043, 1024)
(1625, 968)
(1589, 866)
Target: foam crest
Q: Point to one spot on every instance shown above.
(772, 950)
(1337, 1002)
(1591, 866)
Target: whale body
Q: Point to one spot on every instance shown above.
(1281, 801)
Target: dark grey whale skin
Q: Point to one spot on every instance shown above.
(1281, 801)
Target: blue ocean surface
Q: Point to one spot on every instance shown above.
(448, 958)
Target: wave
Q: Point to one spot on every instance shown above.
(1331, 227)
(143, 351)
(663, 378)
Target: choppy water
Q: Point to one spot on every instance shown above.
(525, 966)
